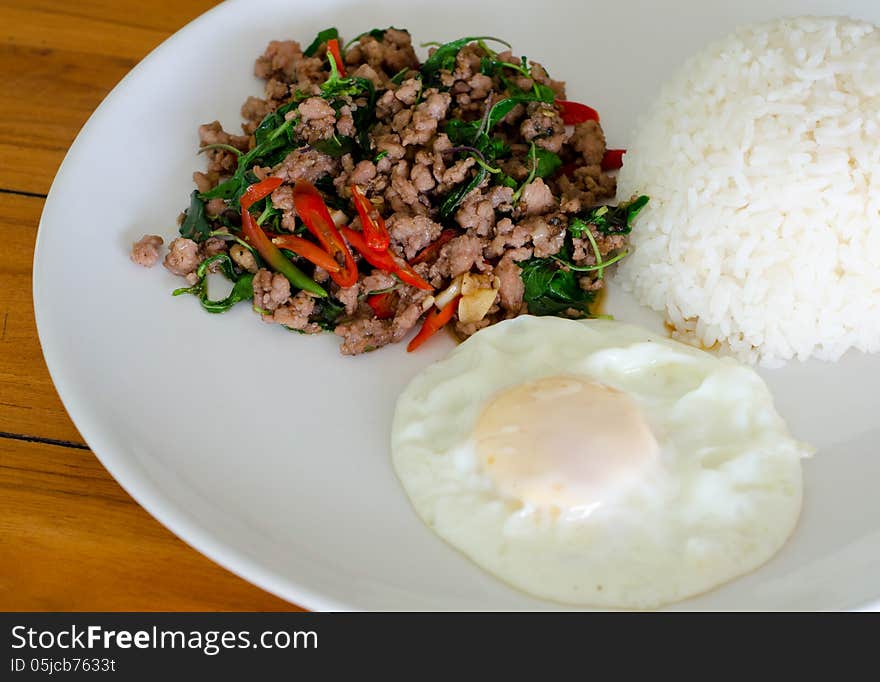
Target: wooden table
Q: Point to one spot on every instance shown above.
(70, 537)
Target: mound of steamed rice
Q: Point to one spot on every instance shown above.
(762, 161)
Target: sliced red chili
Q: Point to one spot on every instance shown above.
(259, 191)
(312, 210)
(375, 232)
(575, 112)
(613, 159)
(435, 321)
(333, 49)
(430, 253)
(311, 252)
(273, 256)
(409, 276)
(385, 260)
(382, 305)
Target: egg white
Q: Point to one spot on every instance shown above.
(725, 496)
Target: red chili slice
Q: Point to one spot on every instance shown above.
(382, 305)
(432, 250)
(311, 252)
(273, 256)
(259, 191)
(385, 260)
(613, 159)
(333, 49)
(312, 210)
(434, 322)
(375, 232)
(575, 112)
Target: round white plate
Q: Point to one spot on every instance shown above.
(268, 451)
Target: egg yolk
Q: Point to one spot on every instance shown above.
(563, 442)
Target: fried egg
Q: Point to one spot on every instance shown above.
(596, 464)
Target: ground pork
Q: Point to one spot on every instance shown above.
(589, 141)
(348, 296)
(271, 290)
(363, 335)
(458, 256)
(279, 61)
(253, 111)
(537, 198)
(543, 126)
(317, 120)
(582, 250)
(295, 314)
(412, 233)
(425, 118)
(377, 281)
(212, 247)
(545, 233)
(183, 256)
(146, 250)
(508, 273)
(389, 55)
(586, 187)
(221, 160)
(305, 164)
(215, 207)
(243, 258)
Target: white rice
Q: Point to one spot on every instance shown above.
(762, 161)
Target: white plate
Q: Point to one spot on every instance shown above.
(266, 450)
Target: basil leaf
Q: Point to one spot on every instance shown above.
(454, 199)
(326, 313)
(355, 86)
(551, 289)
(443, 58)
(377, 33)
(547, 163)
(320, 39)
(615, 219)
(195, 225)
(242, 290)
(336, 146)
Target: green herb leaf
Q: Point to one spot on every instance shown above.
(274, 139)
(327, 313)
(460, 132)
(336, 146)
(547, 163)
(615, 219)
(454, 199)
(399, 77)
(331, 198)
(195, 225)
(320, 39)
(444, 56)
(377, 33)
(242, 290)
(551, 289)
(336, 88)
(533, 168)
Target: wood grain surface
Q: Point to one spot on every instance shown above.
(70, 537)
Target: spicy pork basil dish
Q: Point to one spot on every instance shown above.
(370, 193)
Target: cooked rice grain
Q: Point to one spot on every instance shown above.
(762, 161)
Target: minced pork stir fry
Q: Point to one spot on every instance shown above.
(370, 191)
